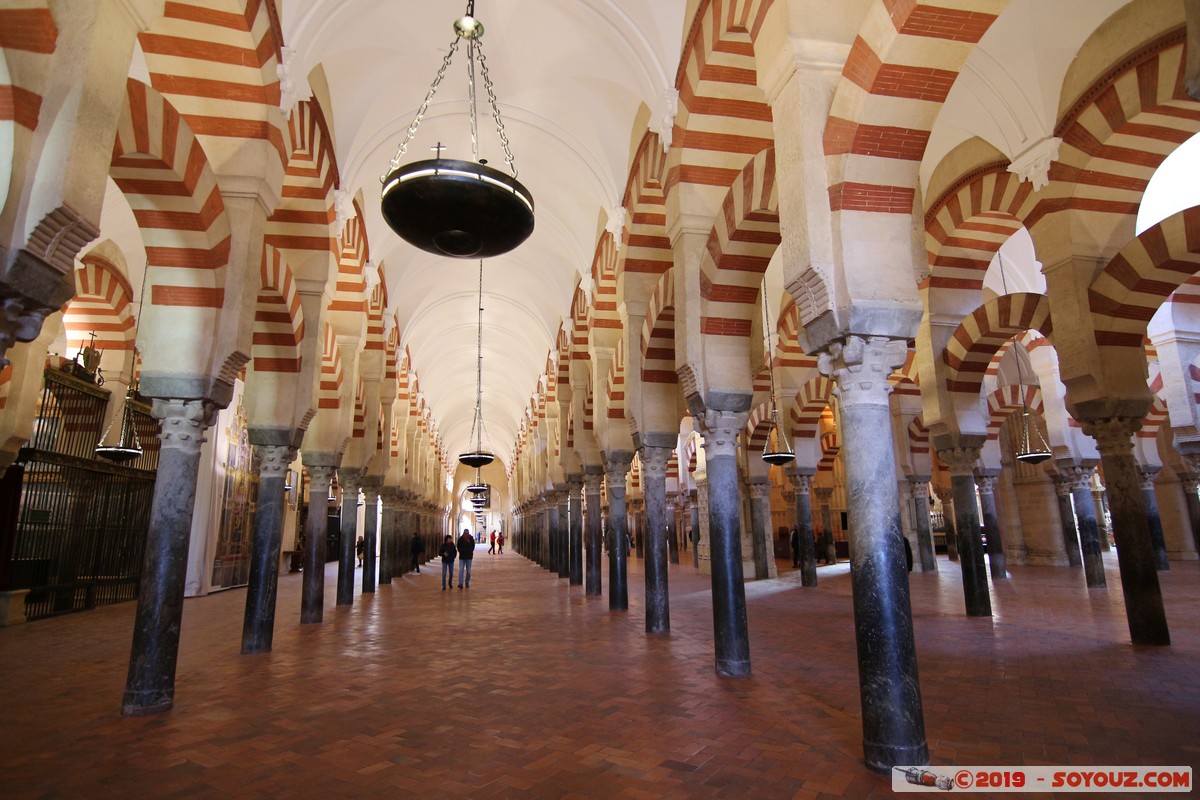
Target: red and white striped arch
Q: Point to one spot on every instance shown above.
(28, 38)
(1008, 399)
(216, 60)
(377, 301)
(809, 406)
(758, 428)
(647, 248)
(102, 305)
(303, 220)
(918, 437)
(723, 117)
(353, 253)
(164, 173)
(985, 330)
(658, 334)
(744, 237)
(580, 313)
(278, 318)
(329, 393)
(831, 442)
(615, 384)
(604, 320)
(1141, 276)
(1153, 422)
(898, 73)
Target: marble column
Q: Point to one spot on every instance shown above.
(986, 485)
(348, 479)
(673, 530)
(694, 526)
(760, 527)
(575, 531)
(312, 592)
(730, 630)
(258, 626)
(1146, 476)
(960, 462)
(1085, 520)
(592, 478)
(150, 683)
(1135, 553)
(554, 548)
(926, 557)
(654, 481)
(1066, 519)
(892, 715)
(947, 499)
(824, 497)
(388, 539)
(616, 467)
(802, 483)
(370, 534)
(564, 533)
(1191, 490)
(1100, 502)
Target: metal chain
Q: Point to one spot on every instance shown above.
(472, 46)
(770, 355)
(412, 128)
(491, 92)
(477, 422)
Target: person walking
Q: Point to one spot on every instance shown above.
(360, 547)
(500, 541)
(418, 547)
(448, 551)
(466, 552)
(492, 549)
(795, 548)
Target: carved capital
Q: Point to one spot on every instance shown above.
(860, 367)
(720, 431)
(919, 489)
(1146, 475)
(274, 460)
(760, 490)
(591, 483)
(655, 461)
(350, 480)
(319, 479)
(959, 460)
(986, 484)
(183, 423)
(823, 494)
(802, 483)
(789, 496)
(1077, 477)
(1113, 435)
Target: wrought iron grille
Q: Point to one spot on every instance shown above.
(82, 523)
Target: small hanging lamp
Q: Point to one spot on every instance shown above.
(1032, 448)
(777, 450)
(127, 447)
(478, 457)
(449, 207)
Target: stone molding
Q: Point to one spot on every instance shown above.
(655, 461)
(274, 460)
(720, 429)
(1113, 435)
(183, 423)
(860, 367)
(960, 461)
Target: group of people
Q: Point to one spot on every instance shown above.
(464, 550)
(496, 540)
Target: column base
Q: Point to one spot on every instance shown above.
(882, 757)
(141, 704)
(12, 607)
(727, 668)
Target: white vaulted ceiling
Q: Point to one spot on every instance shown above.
(571, 78)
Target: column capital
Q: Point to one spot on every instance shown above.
(319, 478)
(350, 478)
(616, 466)
(986, 484)
(860, 367)
(1077, 477)
(823, 493)
(919, 488)
(789, 496)
(801, 482)
(655, 461)
(183, 423)
(760, 489)
(274, 460)
(591, 482)
(1146, 475)
(1113, 435)
(960, 461)
(720, 430)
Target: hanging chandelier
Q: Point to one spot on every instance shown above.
(127, 447)
(449, 207)
(777, 450)
(478, 457)
(1032, 447)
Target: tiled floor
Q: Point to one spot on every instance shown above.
(523, 687)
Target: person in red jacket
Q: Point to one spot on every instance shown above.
(500, 541)
(492, 549)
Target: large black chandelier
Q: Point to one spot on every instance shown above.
(449, 207)
(1032, 447)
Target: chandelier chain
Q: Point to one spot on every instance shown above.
(491, 93)
(423, 110)
(472, 47)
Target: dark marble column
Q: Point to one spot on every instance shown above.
(1146, 476)
(348, 479)
(1085, 520)
(947, 499)
(635, 516)
(694, 526)
(150, 684)
(1102, 527)
(552, 539)
(926, 557)
(673, 529)
(986, 485)
(575, 529)
(654, 482)
(312, 592)
(564, 532)
(592, 478)
(828, 546)
(1191, 491)
(616, 467)
(892, 715)
(960, 462)
(731, 633)
(802, 481)
(388, 537)
(258, 627)
(1066, 519)
(1135, 553)
(370, 534)
(760, 527)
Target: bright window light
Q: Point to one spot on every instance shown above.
(1173, 186)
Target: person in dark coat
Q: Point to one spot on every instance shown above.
(466, 552)
(795, 548)
(418, 547)
(448, 551)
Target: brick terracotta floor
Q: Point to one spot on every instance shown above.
(523, 687)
